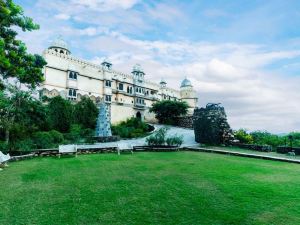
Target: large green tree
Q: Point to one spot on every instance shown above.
(85, 113)
(60, 114)
(15, 62)
(166, 111)
(20, 113)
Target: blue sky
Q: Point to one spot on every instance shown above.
(244, 54)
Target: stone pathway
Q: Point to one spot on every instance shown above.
(242, 154)
(188, 139)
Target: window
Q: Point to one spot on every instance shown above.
(73, 75)
(108, 83)
(121, 86)
(72, 94)
(108, 98)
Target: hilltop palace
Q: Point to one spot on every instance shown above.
(126, 95)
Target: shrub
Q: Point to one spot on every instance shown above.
(131, 128)
(48, 139)
(174, 140)
(56, 136)
(3, 147)
(43, 139)
(25, 145)
(159, 138)
(74, 136)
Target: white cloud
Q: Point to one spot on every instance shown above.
(105, 5)
(62, 16)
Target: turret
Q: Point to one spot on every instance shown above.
(188, 94)
(60, 46)
(138, 73)
(163, 83)
(106, 64)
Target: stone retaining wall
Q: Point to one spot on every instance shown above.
(184, 121)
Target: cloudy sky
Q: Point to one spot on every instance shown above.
(243, 54)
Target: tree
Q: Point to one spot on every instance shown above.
(86, 113)
(243, 136)
(166, 111)
(20, 113)
(15, 62)
(60, 114)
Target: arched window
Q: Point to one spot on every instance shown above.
(61, 51)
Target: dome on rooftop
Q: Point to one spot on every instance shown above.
(163, 81)
(59, 43)
(186, 83)
(137, 68)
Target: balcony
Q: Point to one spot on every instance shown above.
(139, 105)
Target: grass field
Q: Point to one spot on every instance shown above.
(150, 188)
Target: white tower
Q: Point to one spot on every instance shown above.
(138, 73)
(188, 94)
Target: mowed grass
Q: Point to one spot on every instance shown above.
(150, 188)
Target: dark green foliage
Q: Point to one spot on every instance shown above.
(266, 138)
(131, 128)
(74, 135)
(211, 126)
(60, 114)
(44, 140)
(23, 145)
(166, 111)
(14, 60)
(85, 113)
(20, 114)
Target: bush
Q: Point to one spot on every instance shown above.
(3, 147)
(74, 136)
(175, 140)
(49, 139)
(56, 136)
(159, 138)
(25, 145)
(131, 128)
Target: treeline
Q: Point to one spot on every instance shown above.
(266, 138)
(27, 123)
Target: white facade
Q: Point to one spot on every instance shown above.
(128, 95)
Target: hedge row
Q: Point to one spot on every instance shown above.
(260, 148)
(286, 149)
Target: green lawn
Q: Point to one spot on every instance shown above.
(150, 188)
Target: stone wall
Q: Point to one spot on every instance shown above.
(211, 126)
(185, 121)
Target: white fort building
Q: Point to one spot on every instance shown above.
(127, 95)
